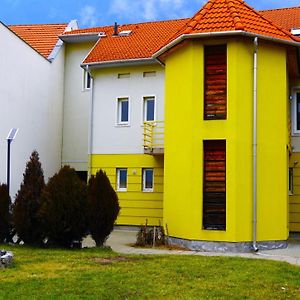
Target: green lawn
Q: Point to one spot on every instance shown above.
(101, 274)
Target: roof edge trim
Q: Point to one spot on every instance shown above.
(81, 37)
(220, 34)
(119, 63)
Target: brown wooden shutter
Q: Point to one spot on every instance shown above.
(215, 85)
(214, 185)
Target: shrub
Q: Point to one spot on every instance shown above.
(103, 207)
(5, 217)
(63, 209)
(27, 202)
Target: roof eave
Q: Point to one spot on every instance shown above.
(220, 34)
(80, 38)
(119, 63)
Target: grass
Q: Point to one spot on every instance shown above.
(102, 274)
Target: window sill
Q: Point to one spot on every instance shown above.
(122, 125)
(148, 191)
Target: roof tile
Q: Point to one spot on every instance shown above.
(287, 18)
(144, 40)
(41, 37)
(232, 15)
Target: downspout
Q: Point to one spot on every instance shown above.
(254, 244)
(91, 125)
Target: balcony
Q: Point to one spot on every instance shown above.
(153, 140)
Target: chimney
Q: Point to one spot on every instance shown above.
(116, 32)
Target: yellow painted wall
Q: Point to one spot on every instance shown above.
(136, 205)
(185, 131)
(294, 199)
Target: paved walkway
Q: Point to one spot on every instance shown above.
(120, 241)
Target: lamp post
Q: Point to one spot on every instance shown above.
(11, 136)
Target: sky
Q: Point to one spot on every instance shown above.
(91, 13)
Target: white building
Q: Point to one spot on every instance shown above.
(31, 89)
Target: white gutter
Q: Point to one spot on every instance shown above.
(254, 158)
(81, 37)
(91, 125)
(120, 63)
(221, 34)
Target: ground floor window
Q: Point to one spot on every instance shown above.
(214, 185)
(148, 180)
(122, 180)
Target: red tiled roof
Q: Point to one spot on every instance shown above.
(143, 41)
(105, 29)
(287, 18)
(42, 37)
(232, 15)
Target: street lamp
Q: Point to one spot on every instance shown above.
(11, 136)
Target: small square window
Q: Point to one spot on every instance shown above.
(148, 180)
(149, 74)
(123, 75)
(87, 80)
(149, 108)
(123, 111)
(122, 180)
(296, 111)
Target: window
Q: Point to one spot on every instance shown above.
(87, 80)
(149, 74)
(214, 185)
(149, 108)
(215, 82)
(291, 181)
(123, 111)
(123, 75)
(148, 180)
(122, 180)
(296, 112)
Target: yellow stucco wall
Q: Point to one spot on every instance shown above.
(294, 199)
(185, 131)
(136, 205)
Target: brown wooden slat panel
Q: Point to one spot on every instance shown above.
(214, 185)
(215, 83)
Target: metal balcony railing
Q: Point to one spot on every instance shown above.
(153, 140)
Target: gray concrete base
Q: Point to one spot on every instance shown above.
(207, 246)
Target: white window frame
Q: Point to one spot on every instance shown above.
(145, 98)
(123, 75)
(119, 111)
(119, 188)
(149, 74)
(86, 75)
(144, 188)
(295, 91)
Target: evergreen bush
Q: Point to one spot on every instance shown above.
(5, 217)
(27, 202)
(63, 209)
(103, 207)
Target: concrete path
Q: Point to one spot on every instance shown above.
(120, 241)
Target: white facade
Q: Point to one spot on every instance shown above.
(109, 137)
(76, 108)
(31, 92)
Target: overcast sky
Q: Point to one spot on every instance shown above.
(105, 12)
